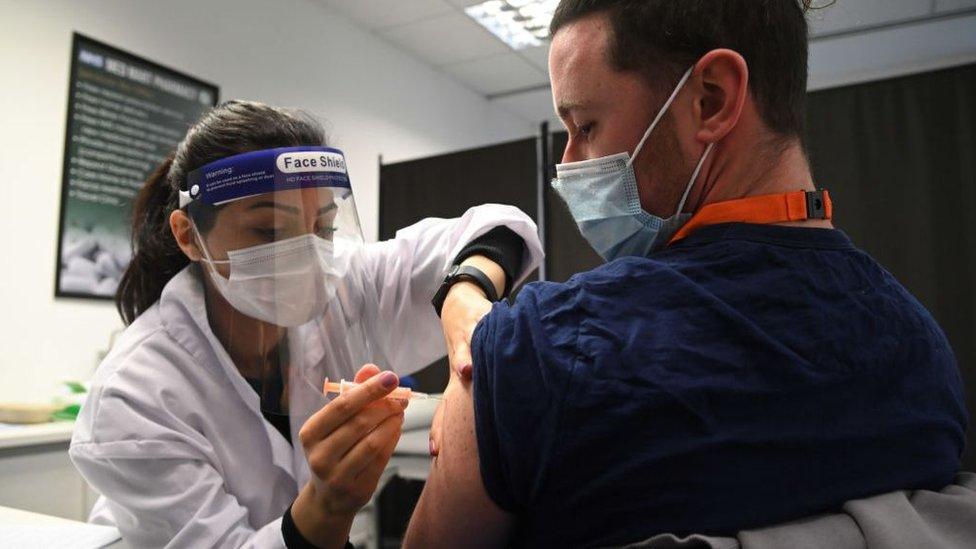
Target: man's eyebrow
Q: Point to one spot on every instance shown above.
(271, 204)
(328, 208)
(566, 108)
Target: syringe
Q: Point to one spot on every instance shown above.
(400, 393)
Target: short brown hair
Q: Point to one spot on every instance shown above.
(662, 38)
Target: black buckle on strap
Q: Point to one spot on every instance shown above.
(816, 205)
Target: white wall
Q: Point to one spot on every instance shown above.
(376, 99)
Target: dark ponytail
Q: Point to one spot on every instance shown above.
(231, 128)
(156, 257)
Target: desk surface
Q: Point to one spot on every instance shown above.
(9, 515)
(12, 436)
(26, 529)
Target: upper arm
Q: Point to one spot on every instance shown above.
(498, 433)
(454, 502)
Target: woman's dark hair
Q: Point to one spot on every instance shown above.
(662, 38)
(230, 128)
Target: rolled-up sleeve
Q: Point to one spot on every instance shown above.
(523, 366)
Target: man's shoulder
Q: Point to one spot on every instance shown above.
(556, 310)
(617, 279)
(614, 272)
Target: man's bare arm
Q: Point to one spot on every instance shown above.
(454, 508)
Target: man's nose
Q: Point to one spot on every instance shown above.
(571, 152)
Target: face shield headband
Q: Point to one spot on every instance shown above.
(266, 171)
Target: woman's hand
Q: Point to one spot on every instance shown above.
(464, 307)
(348, 444)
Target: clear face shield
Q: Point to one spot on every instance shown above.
(282, 254)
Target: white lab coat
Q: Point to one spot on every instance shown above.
(173, 436)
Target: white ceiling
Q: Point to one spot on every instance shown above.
(439, 33)
(442, 35)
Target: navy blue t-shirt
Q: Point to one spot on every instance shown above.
(746, 376)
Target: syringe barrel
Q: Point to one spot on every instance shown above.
(400, 393)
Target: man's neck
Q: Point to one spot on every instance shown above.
(741, 172)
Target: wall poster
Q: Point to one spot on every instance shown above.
(125, 114)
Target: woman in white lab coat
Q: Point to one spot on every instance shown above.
(188, 430)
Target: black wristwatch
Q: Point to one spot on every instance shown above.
(466, 273)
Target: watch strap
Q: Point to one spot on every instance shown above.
(466, 273)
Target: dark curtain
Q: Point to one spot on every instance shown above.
(447, 185)
(899, 159)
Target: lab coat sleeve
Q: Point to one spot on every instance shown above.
(408, 269)
(164, 492)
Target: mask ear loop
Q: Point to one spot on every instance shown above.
(660, 114)
(694, 178)
(206, 253)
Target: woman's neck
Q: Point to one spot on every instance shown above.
(249, 342)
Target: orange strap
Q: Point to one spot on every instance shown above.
(770, 208)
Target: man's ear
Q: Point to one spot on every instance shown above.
(183, 233)
(724, 88)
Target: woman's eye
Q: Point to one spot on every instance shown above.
(326, 232)
(268, 234)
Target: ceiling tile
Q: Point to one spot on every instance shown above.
(848, 15)
(953, 5)
(377, 14)
(498, 73)
(446, 39)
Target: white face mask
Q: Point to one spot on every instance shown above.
(286, 283)
(602, 197)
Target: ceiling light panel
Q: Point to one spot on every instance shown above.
(519, 23)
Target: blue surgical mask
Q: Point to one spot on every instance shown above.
(602, 197)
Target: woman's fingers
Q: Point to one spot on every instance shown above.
(366, 372)
(346, 481)
(378, 446)
(371, 474)
(464, 307)
(343, 439)
(341, 485)
(345, 406)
